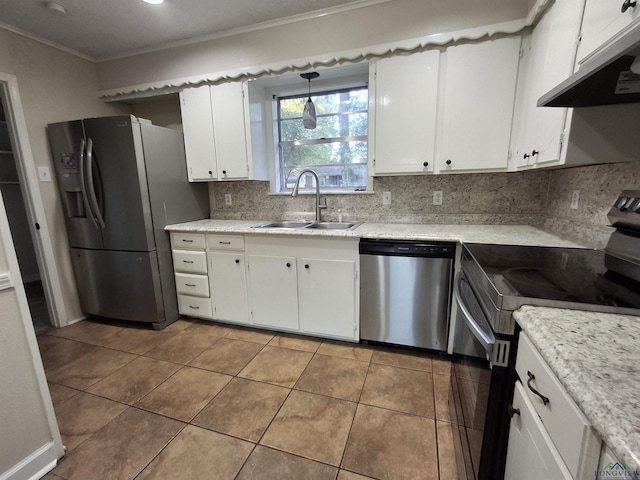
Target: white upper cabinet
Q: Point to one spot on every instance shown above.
(404, 93)
(478, 86)
(217, 122)
(199, 142)
(603, 22)
(548, 56)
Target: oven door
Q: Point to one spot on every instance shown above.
(482, 390)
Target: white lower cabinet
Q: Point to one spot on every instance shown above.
(191, 275)
(274, 291)
(304, 284)
(531, 454)
(551, 436)
(228, 286)
(326, 296)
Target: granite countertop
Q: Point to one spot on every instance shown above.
(496, 234)
(596, 356)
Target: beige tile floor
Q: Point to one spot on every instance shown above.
(206, 400)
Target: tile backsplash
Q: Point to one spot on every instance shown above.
(539, 198)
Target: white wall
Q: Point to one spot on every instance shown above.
(373, 25)
(54, 86)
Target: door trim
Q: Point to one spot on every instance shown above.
(28, 177)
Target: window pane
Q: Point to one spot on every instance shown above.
(333, 126)
(348, 101)
(331, 176)
(325, 153)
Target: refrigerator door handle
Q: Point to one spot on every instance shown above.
(94, 201)
(83, 181)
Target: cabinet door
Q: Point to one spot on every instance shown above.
(530, 452)
(228, 283)
(555, 37)
(273, 291)
(233, 147)
(548, 58)
(327, 297)
(197, 126)
(479, 90)
(604, 21)
(406, 92)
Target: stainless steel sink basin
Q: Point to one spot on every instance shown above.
(333, 225)
(298, 224)
(284, 224)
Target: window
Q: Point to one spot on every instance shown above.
(336, 149)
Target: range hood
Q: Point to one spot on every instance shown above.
(605, 79)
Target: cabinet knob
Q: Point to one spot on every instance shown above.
(627, 4)
(224, 172)
(513, 411)
(288, 265)
(448, 162)
(237, 260)
(534, 153)
(210, 172)
(526, 155)
(426, 164)
(306, 265)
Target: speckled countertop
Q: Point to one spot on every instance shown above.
(596, 356)
(496, 234)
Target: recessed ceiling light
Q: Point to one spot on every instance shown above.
(154, 2)
(56, 8)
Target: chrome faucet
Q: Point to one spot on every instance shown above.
(319, 204)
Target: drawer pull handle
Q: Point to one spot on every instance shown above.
(513, 411)
(224, 243)
(545, 400)
(195, 308)
(190, 284)
(187, 261)
(237, 260)
(188, 241)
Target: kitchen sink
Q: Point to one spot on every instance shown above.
(283, 224)
(315, 225)
(333, 225)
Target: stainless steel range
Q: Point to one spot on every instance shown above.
(495, 280)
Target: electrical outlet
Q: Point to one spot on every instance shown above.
(437, 197)
(386, 198)
(575, 198)
(227, 199)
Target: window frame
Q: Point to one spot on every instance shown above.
(282, 172)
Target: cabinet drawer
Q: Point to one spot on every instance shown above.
(190, 241)
(195, 306)
(189, 284)
(225, 242)
(567, 426)
(190, 262)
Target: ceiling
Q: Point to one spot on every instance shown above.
(100, 29)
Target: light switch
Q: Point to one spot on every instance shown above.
(44, 174)
(386, 198)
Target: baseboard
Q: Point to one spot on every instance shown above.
(35, 466)
(75, 320)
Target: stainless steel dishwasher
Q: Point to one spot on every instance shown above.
(405, 292)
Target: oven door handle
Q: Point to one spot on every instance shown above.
(486, 339)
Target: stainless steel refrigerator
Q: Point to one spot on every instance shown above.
(122, 180)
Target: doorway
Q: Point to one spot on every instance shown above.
(12, 194)
(25, 210)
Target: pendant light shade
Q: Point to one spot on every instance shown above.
(309, 118)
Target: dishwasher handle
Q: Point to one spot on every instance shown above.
(484, 336)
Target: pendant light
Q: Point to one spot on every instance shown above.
(309, 113)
